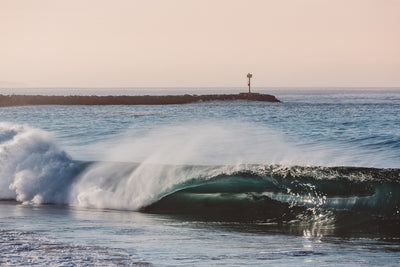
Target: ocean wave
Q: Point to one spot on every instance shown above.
(34, 170)
(375, 191)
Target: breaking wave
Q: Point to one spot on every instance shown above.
(34, 170)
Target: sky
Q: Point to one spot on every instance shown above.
(199, 43)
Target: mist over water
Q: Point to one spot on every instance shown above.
(201, 142)
(227, 142)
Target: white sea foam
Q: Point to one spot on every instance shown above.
(32, 168)
(27, 248)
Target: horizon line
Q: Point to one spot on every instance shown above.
(197, 87)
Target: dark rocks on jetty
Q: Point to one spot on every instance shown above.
(21, 100)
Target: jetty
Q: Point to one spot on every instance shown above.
(23, 100)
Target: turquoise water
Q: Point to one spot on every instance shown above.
(235, 183)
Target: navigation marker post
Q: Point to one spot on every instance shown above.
(249, 75)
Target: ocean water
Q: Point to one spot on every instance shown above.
(314, 180)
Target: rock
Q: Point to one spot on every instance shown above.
(21, 100)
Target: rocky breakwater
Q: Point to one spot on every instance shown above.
(22, 100)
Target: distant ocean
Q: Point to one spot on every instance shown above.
(311, 181)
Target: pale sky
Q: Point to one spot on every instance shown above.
(199, 43)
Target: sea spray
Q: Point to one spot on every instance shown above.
(131, 186)
(164, 154)
(213, 142)
(224, 142)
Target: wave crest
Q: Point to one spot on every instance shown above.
(32, 168)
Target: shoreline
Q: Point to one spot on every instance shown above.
(25, 100)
